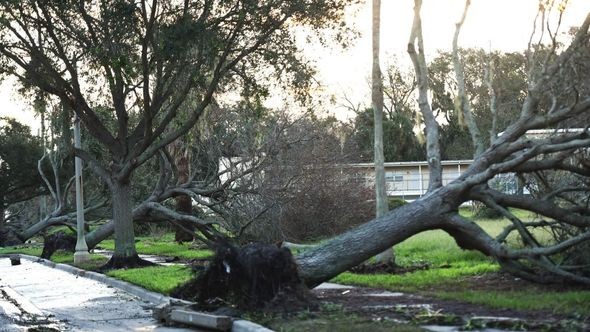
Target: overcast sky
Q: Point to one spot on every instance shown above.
(502, 24)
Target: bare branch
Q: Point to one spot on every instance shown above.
(432, 135)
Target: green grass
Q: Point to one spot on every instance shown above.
(25, 250)
(64, 257)
(448, 265)
(161, 279)
(163, 246)
(469, 212)
(416, 281)
(60, 256)
(436, 250)
(569, 302)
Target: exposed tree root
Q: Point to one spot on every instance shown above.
(57, 241)
(117, 262)
(255, 276)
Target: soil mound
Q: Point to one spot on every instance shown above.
(252, 277)
(58, 241)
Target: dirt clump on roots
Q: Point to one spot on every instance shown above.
(57, 241)
(253, 277)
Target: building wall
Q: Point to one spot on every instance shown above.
(409, 180)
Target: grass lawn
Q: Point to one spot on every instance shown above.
(448, 267)
(161, 279)
(568, 302)
(442, 269)
(23, 249)
(162, 246)
(60, 256)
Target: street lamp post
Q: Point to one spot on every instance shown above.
(81, 255)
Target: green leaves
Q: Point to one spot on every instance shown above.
(19, 152)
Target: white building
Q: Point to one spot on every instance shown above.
(409, 179)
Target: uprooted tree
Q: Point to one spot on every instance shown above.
(558, 99)
(554, 165)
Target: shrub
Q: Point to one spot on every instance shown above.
(395, 202)
(485, 212)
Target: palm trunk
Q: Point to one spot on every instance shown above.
(2, 224)
(184, 230)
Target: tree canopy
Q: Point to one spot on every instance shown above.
(19, 152)
(156, 66)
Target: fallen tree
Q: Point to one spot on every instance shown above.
(557, 99)
(154, 67)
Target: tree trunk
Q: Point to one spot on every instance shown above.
(98, 235)
(464, 106)
(124, 234)
(352, 248)
(3, 231)
(185, 231)
(125, 254)
(377, 101)
(35, 229)
(432, 133)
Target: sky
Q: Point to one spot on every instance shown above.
(503, 25)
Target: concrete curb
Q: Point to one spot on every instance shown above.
(158, 299)
(242, 325)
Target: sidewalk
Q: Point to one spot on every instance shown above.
(33, 294)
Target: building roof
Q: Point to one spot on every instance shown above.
(413, 163)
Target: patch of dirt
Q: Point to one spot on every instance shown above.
(387, 268)
(116, 262)
(505, 282)
(380, 305)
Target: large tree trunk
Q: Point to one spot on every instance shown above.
(464, 107)
(352, 248)
(125, 254)
(98, 235)
(184, 230)
(124, 234)
(178, 150)
(2, 212)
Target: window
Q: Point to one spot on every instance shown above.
(392, 177)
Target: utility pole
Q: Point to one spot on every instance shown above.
(81, 255)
